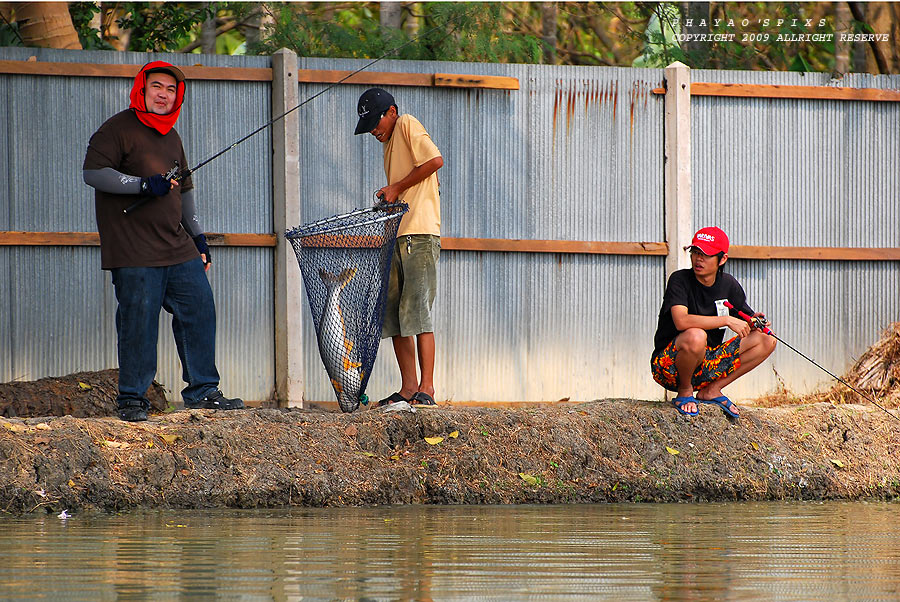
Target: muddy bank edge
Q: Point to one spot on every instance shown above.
(602, 451)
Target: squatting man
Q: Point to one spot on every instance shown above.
(689, 353)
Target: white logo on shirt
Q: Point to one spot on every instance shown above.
(721, 310)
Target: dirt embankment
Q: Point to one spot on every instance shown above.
(82, 395)
(820, 447)
(615, 450)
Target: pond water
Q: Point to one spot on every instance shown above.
(736, 551)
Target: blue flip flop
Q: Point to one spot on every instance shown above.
(678, 402)
(724, 403)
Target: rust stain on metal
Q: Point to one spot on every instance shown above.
(614, 92)
(588, 96)
(555, 108)
(570, 107)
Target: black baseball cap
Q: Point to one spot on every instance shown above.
(371, 106)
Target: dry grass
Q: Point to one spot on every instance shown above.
(876, 373)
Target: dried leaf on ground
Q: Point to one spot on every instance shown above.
(530, 479)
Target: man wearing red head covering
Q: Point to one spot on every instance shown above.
(689, 353)
(152, 243)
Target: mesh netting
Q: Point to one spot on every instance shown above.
(346, 263)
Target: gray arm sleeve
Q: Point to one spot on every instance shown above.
(112, 181)
(189, 218)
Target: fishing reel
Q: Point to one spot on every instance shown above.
(173, 174)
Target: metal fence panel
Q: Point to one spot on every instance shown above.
(62, 312)
(245, 325)
(808, 173)
(62, 306)
(575, 154)
(831, 311)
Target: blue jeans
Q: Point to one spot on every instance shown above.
(183, 291)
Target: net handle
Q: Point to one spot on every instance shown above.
(304, 230)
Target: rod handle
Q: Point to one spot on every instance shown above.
(749, 319)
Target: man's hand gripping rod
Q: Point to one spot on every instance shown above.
(173, 174)
(761, 324)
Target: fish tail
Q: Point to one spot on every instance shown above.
(338, 279)
(346, 276)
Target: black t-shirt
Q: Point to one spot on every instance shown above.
(152, 235)
(683, 288)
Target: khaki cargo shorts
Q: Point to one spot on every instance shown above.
(412, 286)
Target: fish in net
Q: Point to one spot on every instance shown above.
(346, 263)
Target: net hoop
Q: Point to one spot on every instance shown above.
(388, 213)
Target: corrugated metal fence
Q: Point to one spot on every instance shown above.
(58, 307)
(805, 173)
(576, 154)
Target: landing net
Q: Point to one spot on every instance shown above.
(346, 262)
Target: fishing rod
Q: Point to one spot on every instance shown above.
(188, 172)
(762, 324)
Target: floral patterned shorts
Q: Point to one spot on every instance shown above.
(719, 362)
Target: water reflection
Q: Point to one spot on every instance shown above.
(625, 552)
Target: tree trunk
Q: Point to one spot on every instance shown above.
(871, 15)
(548, 31)
(411, 23)
(390, 14)
(46, 24)
(841, 49)
(696, 21)
(208, 34)
(252, 29)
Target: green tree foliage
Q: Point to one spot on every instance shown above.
(448, 31)
(82, 15)
(766, 35)
(152, 26)
(163, 27)
(586, 33)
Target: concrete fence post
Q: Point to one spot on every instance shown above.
(679, 219)
(289, 377)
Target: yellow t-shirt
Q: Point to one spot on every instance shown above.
(409, 147)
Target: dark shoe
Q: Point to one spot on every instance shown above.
(394, 398)
(423, 399)
(133, 412)
(215, 401)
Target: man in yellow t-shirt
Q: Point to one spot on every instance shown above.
(411, 161)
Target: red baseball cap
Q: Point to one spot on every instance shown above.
(710, 241)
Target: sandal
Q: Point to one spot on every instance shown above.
(678, 402)
(724, 403)
(394, 398)
(422, 398)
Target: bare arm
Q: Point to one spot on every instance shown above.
(392, 192)
(683, 320)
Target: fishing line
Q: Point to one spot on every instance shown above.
(188, 172)
(762, 326)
